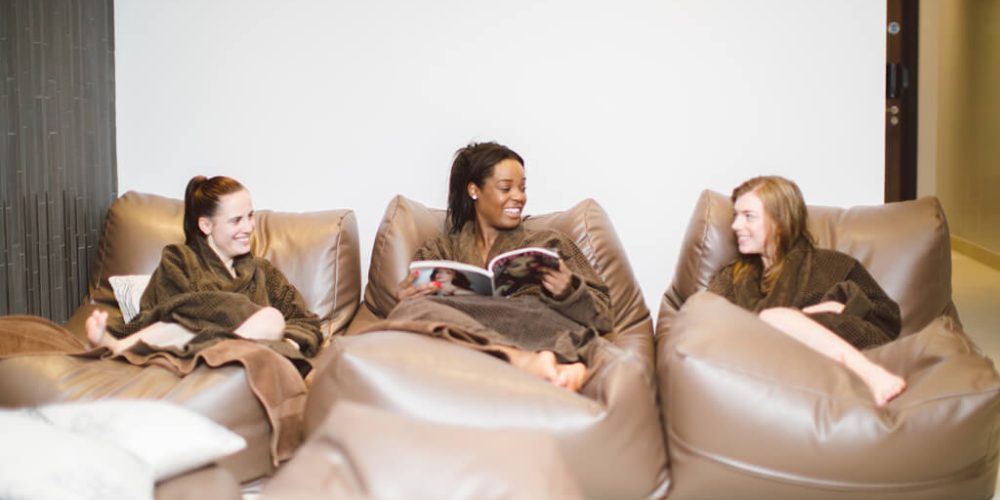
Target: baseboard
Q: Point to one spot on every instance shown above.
(975, 251)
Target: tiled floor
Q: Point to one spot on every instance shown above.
(976, 292)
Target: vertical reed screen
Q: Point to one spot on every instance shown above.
(57, 150)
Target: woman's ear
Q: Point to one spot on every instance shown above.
(473, 190)
(205, 225)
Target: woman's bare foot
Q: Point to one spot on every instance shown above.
(571, 376)
(883, 385)
(96, 326)
(544, 365)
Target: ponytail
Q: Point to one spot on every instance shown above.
(201, 199)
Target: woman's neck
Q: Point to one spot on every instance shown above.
(485, 237)
(227, 262)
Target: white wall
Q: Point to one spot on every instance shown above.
(639, 104)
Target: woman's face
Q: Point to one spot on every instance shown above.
(228, 231)
(443, 275)
(501, 199)
(751, 224)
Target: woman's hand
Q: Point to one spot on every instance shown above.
(407, 290)
(830, 306)
(559, 282)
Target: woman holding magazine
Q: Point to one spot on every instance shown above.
(548, 327)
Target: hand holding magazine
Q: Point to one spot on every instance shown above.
(504, 275)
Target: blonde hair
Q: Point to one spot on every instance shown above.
(785, 212)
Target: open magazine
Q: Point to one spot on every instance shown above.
(505, 274)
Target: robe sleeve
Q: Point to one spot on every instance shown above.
(301, 324)
(870, 317)
(589, 302)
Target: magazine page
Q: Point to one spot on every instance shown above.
(518, 268)
(455, 278)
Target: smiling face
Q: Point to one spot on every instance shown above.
(228, 231)
(502, 197)
(751, 225)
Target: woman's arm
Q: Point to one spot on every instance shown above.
(302, 326)
(585, 298)
(869, 316)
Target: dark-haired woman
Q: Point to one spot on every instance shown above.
(544, 329)
(211, 287)
(823, 298)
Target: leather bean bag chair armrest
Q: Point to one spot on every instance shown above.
(609, 434)
(752, 410)
(363, 452)
(317, 251)
(746, 409)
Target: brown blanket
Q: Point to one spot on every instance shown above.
(530, 320)
(272, 378)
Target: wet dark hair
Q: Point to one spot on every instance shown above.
(201, 199)
(473, 163)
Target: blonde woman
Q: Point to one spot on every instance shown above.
(823, 298)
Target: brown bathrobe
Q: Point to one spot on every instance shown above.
(530, 319)
(812, 275)
(193, 288)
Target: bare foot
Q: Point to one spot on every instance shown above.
(541, 363)
(544, 365)
(571, 376)
(883, 385)
(96, 326)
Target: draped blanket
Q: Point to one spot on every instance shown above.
(812, 275)
(530, 320)
(273, 379)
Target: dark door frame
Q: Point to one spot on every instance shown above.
(902, 50)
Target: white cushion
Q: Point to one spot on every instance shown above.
(170, 438)
(39, 460)
(128, 291)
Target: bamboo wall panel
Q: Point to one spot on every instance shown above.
(57, 150)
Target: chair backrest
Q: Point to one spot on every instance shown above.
(408, 224)
(905, 246)
(318, 252)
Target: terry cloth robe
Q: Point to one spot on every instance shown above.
(530, 319)
(812, 275)
(193, 288)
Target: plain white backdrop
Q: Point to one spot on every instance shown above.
(639, 104)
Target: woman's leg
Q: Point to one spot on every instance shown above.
(158, 334)
(266, 324)
(883, 385)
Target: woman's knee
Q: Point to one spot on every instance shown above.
(272, 319)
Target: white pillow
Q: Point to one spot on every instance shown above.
(170, 438)
(39, 460)
(128, 290)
